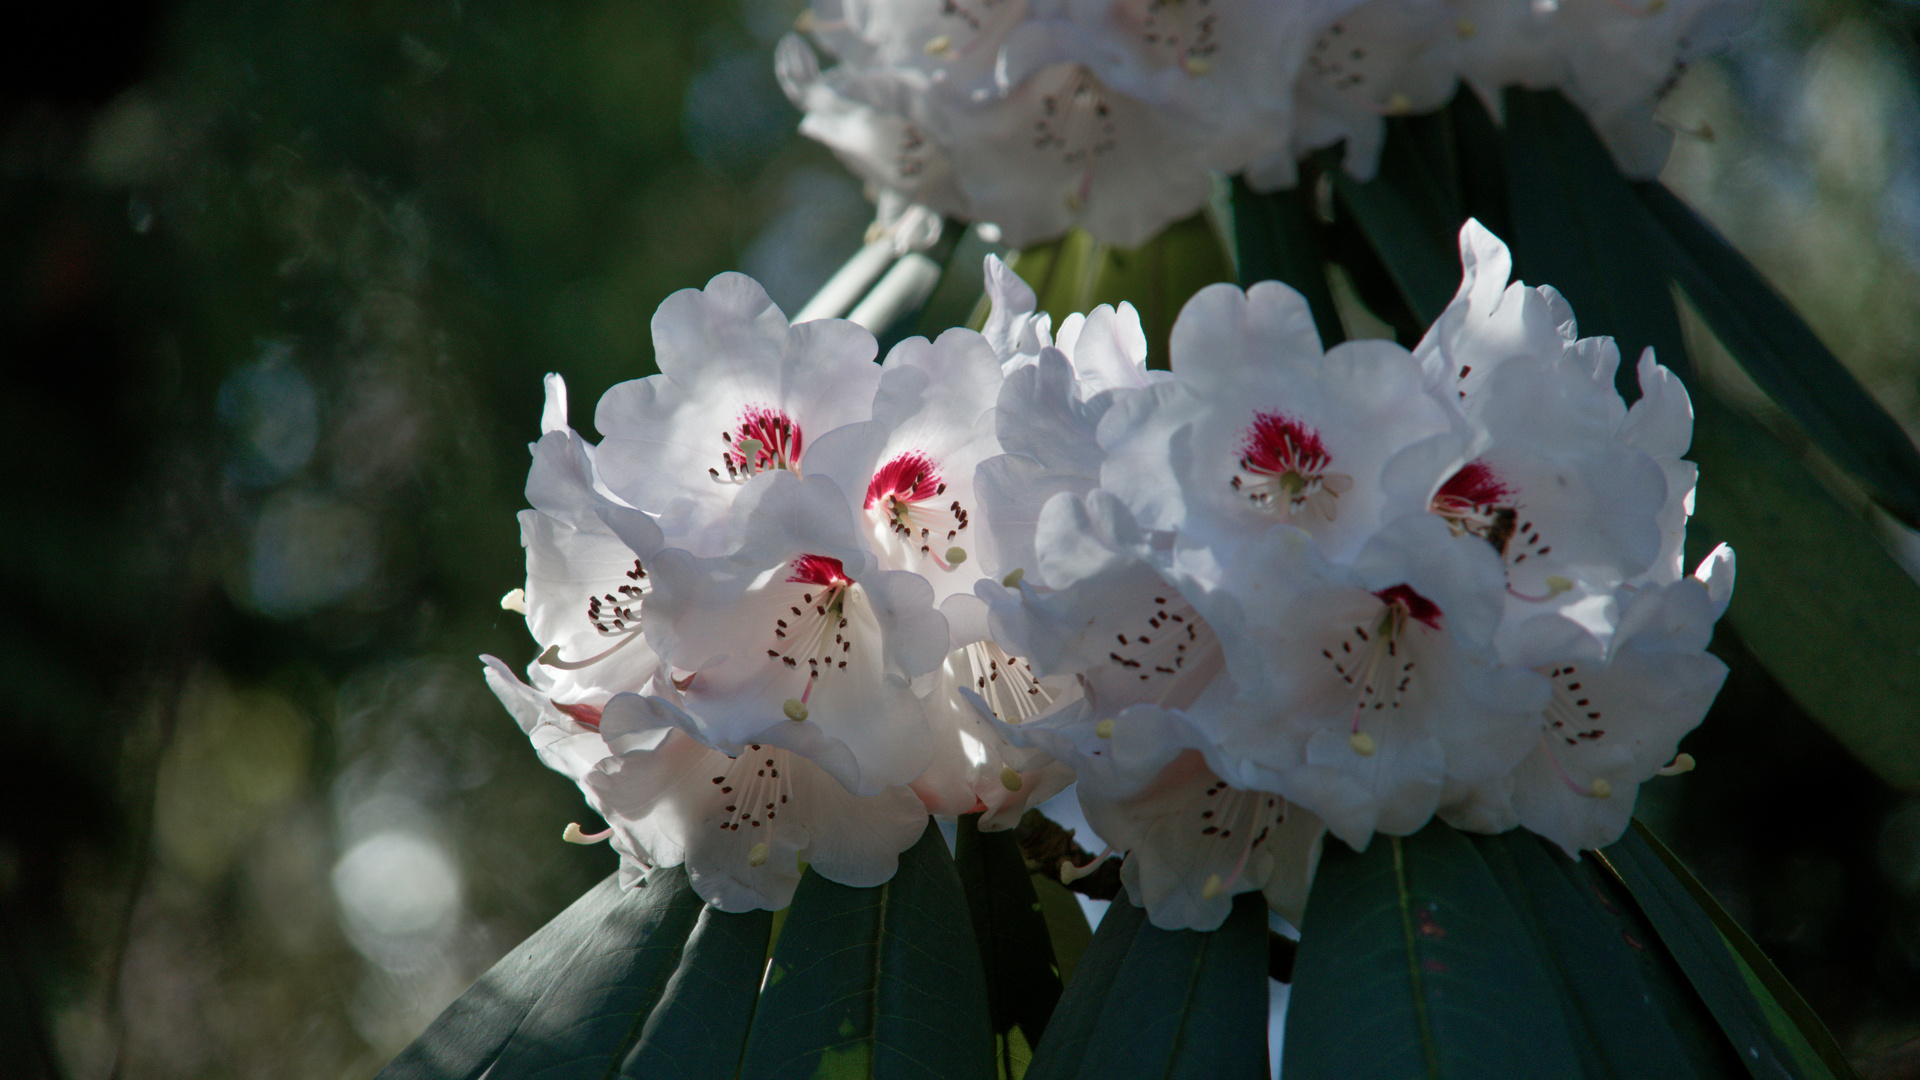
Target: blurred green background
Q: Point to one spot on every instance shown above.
(280, 282)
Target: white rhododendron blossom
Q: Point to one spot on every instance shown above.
(1040, 115)
(795, 600)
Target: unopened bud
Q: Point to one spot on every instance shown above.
(1363, 744)
(795, 709)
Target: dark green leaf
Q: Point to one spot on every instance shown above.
(1786, 359)
(700, 1026)
(1188, 1005)
(1481, 159)
(593, 1011)
(466, 1038)
(1278, 240)
(1775, 1032)
(1023, 982)
(1579, 227)
(1819, 601)
(1630, 1010)
(1071, 1030)
(1414, 963)
(881, 982)
(1066, 924)
(1407, 219)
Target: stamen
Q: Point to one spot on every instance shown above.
(1070, 873)
(1684, 763)
(515, 601)
(1284, 468)
(1598, 789)
(1555, 586)
(551, 658)
(573, 835)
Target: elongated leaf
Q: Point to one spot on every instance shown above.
(1060, 272)
(1071, 1029)
(1414, 963)
(1066, 924)
(587, 1018)
(1159, 276)
(1786, 359)
(466, 1038)
(1405, 219)
(699, 1028)
(1630, 1009)
(1278, 240)
(1774, 1029)
(1819, 601)
(881, 982)
(1077, 273)
(1023, 982)
(1480, 155)
(1579, 227)
(1188, 1005)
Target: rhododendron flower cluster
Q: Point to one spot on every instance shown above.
(795, 601)
(1037, 115)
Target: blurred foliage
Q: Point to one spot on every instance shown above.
(279, 283)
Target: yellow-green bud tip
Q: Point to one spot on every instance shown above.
(795, 709)
(1009, 779)
(956, 556)
(1213, 887)
(1012, 580)
(758, 855)
(1363, 744)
